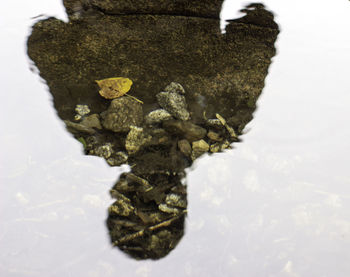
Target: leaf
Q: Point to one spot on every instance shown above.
(111, 88)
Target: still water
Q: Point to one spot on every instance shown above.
(274, 205)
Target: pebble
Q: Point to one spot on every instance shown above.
(78, 128)
(175, 87)
(229, 129)
(157, 116)
(185, 129)
(214, 136)
(185, 147)
(82, 109)
(136, 139)
(118, 159)
(176, 200)
(122, 113)
(104, 151)
(92, 121)
(121, 207)
(174, 103)
(219, 146)
(198, 148)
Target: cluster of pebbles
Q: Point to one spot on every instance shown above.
(146, 220)
(171, 121)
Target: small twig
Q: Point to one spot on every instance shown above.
(133, 97)
(138, 234)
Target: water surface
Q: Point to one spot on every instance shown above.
(275, 205)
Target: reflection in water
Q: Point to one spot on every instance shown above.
(193, 90)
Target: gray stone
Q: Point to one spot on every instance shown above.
(157, 116)
(185, 129)
(77, 128)
(92, 121)
(136, 139)
(198, 148)
(174, 103)
(121, 114)
(175, 87)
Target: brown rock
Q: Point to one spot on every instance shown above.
(214, 136)
(121, 114)
(92, 121)
(198, 148)
(185, 147)
(185, 129)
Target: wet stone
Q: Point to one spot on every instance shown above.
(198, 148)
(92, 121)
(77, 128)
(219, 146)
(229, 129)
(176, 200)
(168, 209)
(159, 137)
(185, 129)
(117, 159)
(121, 114)
(157, 116)
(185, 147)
(214, 122)
(104, 151)
(214, 136)
(121, 207)
(82, 109)
(174, 103)
(136, 139)
(175, 87)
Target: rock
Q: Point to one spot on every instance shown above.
(214, 122)
(176, 200)
(198, 148)
(175, 87)
(229, 129)
(168, 209)
(219, 146)
(121, 114)
(136, 139)
(104, 151)
(77, 117)
(92, 121)
(118, 159)
(82, 109)
(174, 103)
(121, 207)
(185, 129)
(77, 128)
(185, 147)
(157, 116)
(145, 185)
(214, 136)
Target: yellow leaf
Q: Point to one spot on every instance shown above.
(111, 88)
